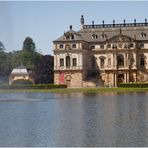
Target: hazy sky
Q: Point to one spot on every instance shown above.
(47, 21)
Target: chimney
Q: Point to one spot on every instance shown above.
(82, 21)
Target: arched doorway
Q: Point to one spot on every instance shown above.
(68, 81)
(120, 78)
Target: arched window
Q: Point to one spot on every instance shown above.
(94, 36)
(67, 61)
(102, 62)
(67, 37)
(72, 36)
(120, 60)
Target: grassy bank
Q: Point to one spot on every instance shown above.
(75, 90)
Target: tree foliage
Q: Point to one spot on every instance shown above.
(28, 44)
(44, 70)
(5, 66)
(2, 47)
(28, 59)
(39, 67)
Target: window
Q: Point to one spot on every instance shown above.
(102, 46)
(94, 36)
(102, 63)
(61, 46)
(142, 62)
(109, 46)
(61, 62)
(67, 37)
(120, 61)
(74, 62)
(141, 45)
(72, 37)
(92, 47)
(73, 45)
(131, 45)
(142, 34)
(103, 36)
(114, 46)
(67, 61)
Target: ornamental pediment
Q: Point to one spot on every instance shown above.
(120, 39)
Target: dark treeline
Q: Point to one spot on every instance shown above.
(39, 66)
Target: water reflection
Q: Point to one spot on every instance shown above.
(130, 120)
(74, 119)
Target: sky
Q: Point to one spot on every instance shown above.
(45, 21)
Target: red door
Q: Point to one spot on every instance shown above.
(61, 78)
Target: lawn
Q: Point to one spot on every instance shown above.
(75, 90)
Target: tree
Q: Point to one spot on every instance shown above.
(28, 59)
(5, 66)
(44, 70)
(28, 44)
(2, 47)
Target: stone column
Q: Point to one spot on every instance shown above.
(71, 61)
(124, 59)
(113, 59)
(115, 79)
(128, 77)
(108, 78)
(80, 45)
(125, 77)
(127, 60)
(135, 77)
(55, 61)
(134, 56)
(80, 60)
(65, 61)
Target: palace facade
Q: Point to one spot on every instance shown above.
(102, 55)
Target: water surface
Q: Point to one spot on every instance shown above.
(74, 119)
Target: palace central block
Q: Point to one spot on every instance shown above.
(102, 55)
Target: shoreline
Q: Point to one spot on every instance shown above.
(75, 90)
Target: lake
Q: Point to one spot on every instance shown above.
(74, 119)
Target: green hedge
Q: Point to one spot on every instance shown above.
(32, 86)
(21, 81)
(133, 85)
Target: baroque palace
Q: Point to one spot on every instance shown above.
(102, 55)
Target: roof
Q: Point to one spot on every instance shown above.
(21, 69)
(76, 36)
(136, 31)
